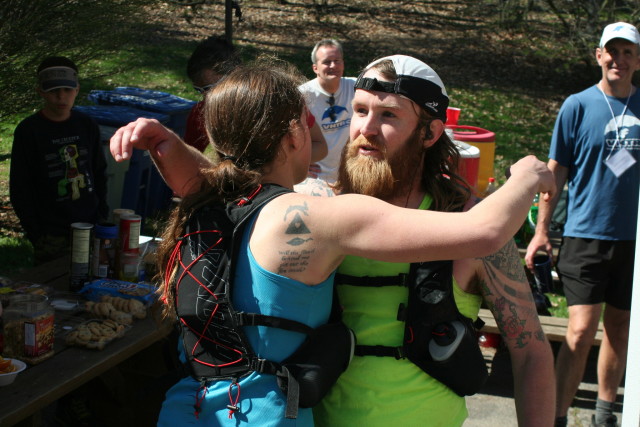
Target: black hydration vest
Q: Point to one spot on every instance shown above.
(211, 328)
(437, 337)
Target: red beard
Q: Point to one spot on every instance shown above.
(384, 177)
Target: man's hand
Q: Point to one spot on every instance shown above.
(539, 242)
(531, 165)
(143, 134)
(546, 206)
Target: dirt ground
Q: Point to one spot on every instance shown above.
(463, 40)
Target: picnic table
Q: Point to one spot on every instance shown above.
(70, 367)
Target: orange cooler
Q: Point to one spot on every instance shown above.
(485, 141)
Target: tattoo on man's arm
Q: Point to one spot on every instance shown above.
(510, 323)
(507, 260)
(506, 286)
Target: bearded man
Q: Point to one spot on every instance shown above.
(400, 153)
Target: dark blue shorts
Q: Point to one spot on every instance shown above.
(595, 271)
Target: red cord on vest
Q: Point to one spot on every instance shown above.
(176, 256)
(233, 404)
(186, 270)
(176, 251)
(199, 400)
(247, 199)
(410, 340)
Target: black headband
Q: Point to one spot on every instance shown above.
(425, 93)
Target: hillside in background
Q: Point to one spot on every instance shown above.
(524, 69)
(466, 42)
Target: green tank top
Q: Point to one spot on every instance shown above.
(383, 391)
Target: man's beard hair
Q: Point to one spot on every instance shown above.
(381, 178)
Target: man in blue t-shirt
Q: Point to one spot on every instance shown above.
(595, 148)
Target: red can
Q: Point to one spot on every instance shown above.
(130, 233)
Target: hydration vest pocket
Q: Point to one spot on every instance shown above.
(318, 362)
(452, 356)
(438, 338)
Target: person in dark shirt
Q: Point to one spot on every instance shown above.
(210, 61)
(58, 166)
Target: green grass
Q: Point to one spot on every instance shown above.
(558, 305)
(149, 67)
(6, 139)
(15, 254)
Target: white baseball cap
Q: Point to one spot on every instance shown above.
(620, 30)
(416, 81)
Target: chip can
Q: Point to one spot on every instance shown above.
(119, 213)
(116, 214)
(80, 254)
(130, 233)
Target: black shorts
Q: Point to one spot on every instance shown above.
(595, 271)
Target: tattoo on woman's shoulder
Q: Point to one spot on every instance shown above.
(297, 227)
(294, 260)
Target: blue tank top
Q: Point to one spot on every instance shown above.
(261, 401)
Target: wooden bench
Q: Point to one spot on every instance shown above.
(554, 327)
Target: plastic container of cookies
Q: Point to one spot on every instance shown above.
(29, 328)
(95, 334)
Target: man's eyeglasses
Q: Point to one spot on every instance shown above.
(204, 89)
(332, 111)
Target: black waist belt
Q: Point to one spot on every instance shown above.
(379, 351)
(372, 281)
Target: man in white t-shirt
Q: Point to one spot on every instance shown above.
(329, 98)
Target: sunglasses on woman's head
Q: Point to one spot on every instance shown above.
(204, 89)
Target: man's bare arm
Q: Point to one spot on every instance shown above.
(507, 293)
(508, 296)
(540, 241)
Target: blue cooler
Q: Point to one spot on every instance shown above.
(175, 107)
(128, 183)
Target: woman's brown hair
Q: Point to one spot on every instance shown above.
(246, 116)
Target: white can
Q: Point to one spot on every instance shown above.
(80, 254)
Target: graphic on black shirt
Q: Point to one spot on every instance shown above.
(73, 177)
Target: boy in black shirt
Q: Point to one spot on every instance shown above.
(58, 167)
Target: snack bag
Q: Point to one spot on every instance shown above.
(95, 290)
